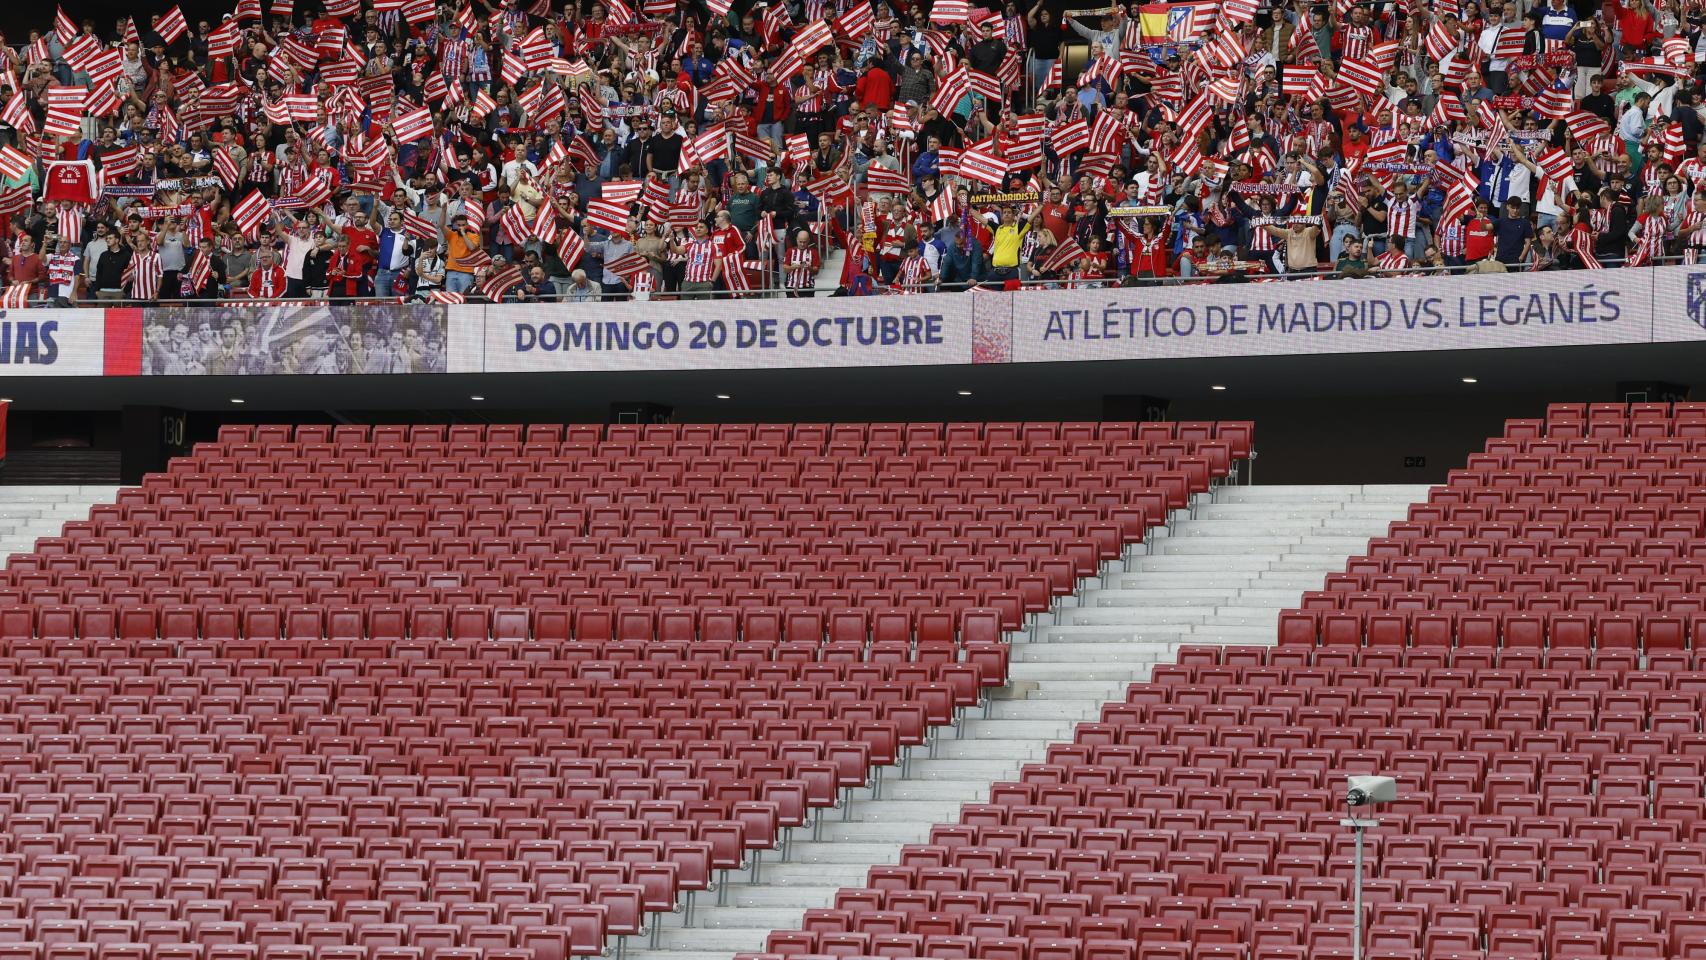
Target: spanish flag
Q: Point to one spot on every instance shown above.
(1152, 19)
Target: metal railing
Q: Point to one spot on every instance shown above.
(878, 289)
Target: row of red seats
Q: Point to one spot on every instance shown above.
(1493, 497)
(1275, 687)
(1404, 718)
(1512, 566)
(1173, 487)
(1520, 513)
(418, 538)
(619, 432)
(1561, 548)
(697, 466)
(1192, 656)
(1012, 605)
(1491, 628)
(645, 484)
(229, 941)
(406, 506)
(553, 942)
(1664, 529)
(211, 886)
(1062, 916)
(1268, 849)
(1602, 429)
(1491, 904)
(1195, 890)
(822, 575)
(95, 914)
(1595, 446)
(1042, 559)
(661, 669)
(1286, 822)
(877, 724)
(1475, 479)
(793, 673)
(1514, 600)
(1569, 463)
(755, 624)
(1681, 578)
(1643, 410)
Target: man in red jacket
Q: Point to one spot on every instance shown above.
(875, 88)
(772, 109)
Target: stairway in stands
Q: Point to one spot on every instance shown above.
(28, 512)
(1219, 574)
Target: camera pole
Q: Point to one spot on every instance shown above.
(1361, 827)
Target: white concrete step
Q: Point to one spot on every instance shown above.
(28, 513)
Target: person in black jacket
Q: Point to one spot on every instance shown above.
(109, 269)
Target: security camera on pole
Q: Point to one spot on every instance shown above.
(1363, 792)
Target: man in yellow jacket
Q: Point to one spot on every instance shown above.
(1005, 245)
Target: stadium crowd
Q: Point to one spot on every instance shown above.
(356, 149)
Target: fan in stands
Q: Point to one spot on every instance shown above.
(1586, 118)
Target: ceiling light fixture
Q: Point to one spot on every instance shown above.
(1218, 386)
(722, 396)
(237, 400)
(965, 393)
(1470, 380)
(476, 397)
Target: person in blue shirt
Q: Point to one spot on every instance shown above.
(395, 252)
(928, 163)
(697, 65)
(1556, 21)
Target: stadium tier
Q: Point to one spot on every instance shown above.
(578, 152)
(405, 693)
(1521, 655)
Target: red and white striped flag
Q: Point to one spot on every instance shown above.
(856, 21)
(608, 215)
(1063, 255)
(1306, 82)
(980, 163)
(445, 296)
(226, 167)
(418, 226)
(412, 125)
(513, 227)
(14, 163)
(943, 206)
(201, 270)
(953, 89)
(1364, 78)
(15, 297)
(224, 40)
(121, 163)
(950, 12)
(883, 180)
(419, 11)
(64, 27)
(495, 284)
(171, 25)
(251, 213)
(17, 114)
(1510, 41)
(570, 248)
(1071, 138)
(1238, 11)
